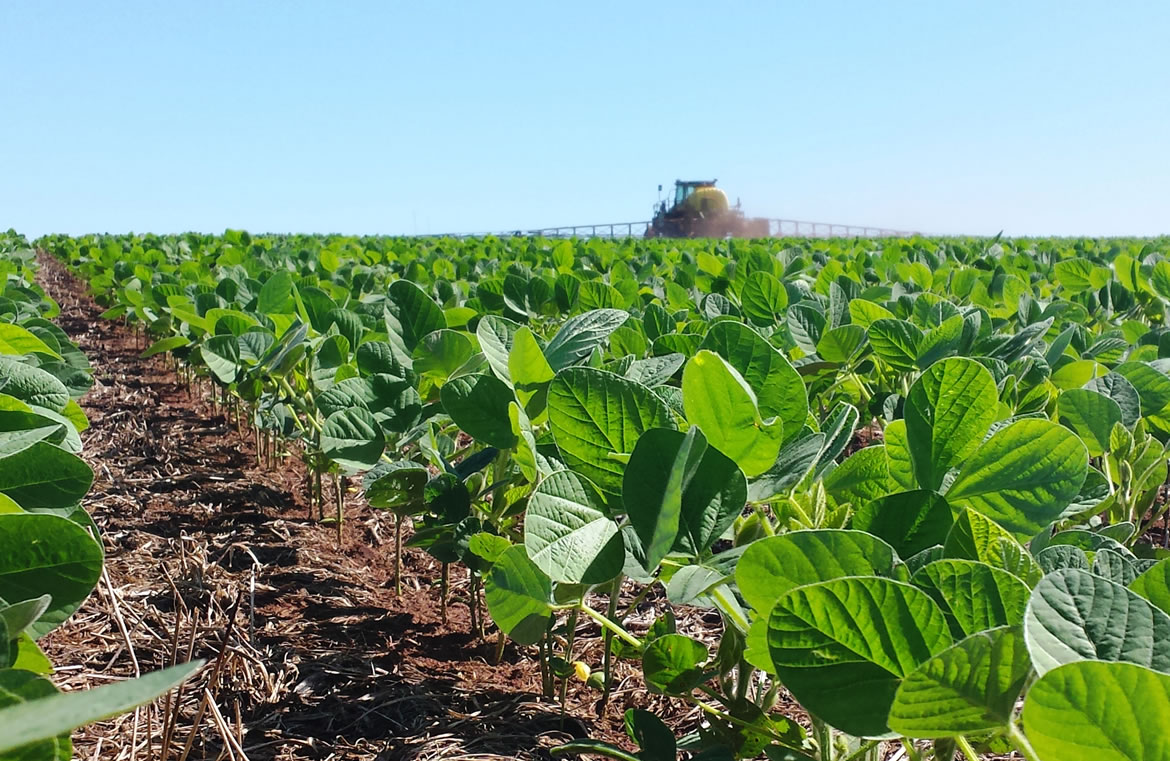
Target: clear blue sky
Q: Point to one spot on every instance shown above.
(379, 117)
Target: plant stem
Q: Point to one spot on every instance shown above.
(865, 748)
(607, 656)
(968, 752)
(824, 739)
(340, 492)
(912, 753)
(568, 661)
(1021, 742)
(443, 587)
(609, 625)
(398, 554)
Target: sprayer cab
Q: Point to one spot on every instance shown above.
(701, 210)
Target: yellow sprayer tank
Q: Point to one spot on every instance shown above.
(709, 201)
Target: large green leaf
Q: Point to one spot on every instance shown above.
(672, 664)
(779, 390)
(1091, 415)
(353, 439)
(47, 554)
(18, 340)
(409, 315)
(1023, 476)
(1075, 615)
(496, 335)
(948, 411)
(32, 385)
(1092, 711)
(518, 595)
(842, 647)
(772, 566)
(974, 536)
(969, 688)
(895, 341)
(718, 400)
(594, 415)
(863, 476)
(530, 371)
(43, 715)
(1154, 585)
(680, 493)
(975, 596)
(568, 534)
(479, 406)
(580, 335)
(44, 476)
(910, 521)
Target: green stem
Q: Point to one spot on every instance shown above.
(824, 739)
(861, 751)
(912, 753)
(609, 625)
(968, 752)
(755, 728)
(730, 607)
(1021, 742)
(607, 656)
(765, 522)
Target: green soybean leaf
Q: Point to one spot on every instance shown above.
(842, 343)
(32, 385)
(276, 295)
(779, 390)
(17, 340)
(353, 439)
(948, 412)
(594, 415)
(718, 400)
(976, 537)
(672, 664)
(660, 468)
(772, 566)
(478, 404)
(910, 521)
(680, 494)
(1091, 415)
(842, 647)
(21, 615)
(1091, 711)
(580, 335)
(969, 688)
(567, 533)
(496, 335)
(1074, 615)
(441, 353)
(530, 372)
(763, 299)
(1116, 387)
(975, 596)
(1154, 585)
(47, 554)
(46, 714)
(44, 476)
(895, 341)
(409, 315)
(395, 486)
(863, 476)
(518, 595)
(1023, 476)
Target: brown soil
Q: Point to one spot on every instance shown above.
(323, 659)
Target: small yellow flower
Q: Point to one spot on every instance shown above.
(582, 670)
